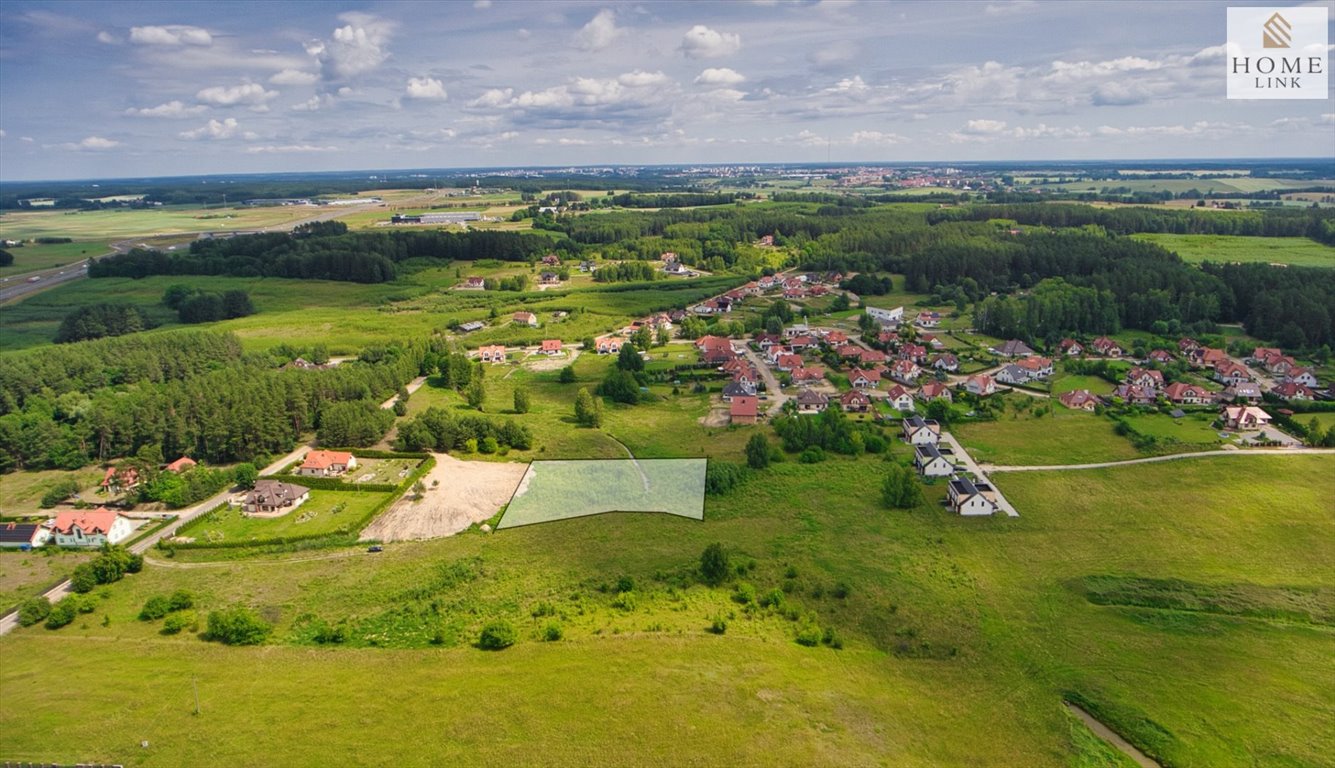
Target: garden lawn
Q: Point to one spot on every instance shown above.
(1098, 385)
(1064, 437)
(324, 512)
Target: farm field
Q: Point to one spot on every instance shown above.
(1297, 251)
(1064, 437)
(324, 512)
(120, 223)
(944, 621)
(560, 490)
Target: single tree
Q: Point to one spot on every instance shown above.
(567, 375)
(714, 564)
(476, 394)
(246, 475)
(629, 359)
(587, 410)
(757, 451)
(521, 400)
(900, 489)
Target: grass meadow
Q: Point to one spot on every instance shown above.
(1060, 437)
(30, 258)
(1298, 251)
(324, 512)
(945, 622)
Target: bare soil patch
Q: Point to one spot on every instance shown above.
(551, 362)
(459, 494)
(718, 416)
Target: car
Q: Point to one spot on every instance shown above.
(375, 548)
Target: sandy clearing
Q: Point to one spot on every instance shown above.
(552, 362)
(467, 492)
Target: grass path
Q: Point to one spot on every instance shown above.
(1170, 457)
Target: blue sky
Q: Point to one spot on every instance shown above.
(148, 89)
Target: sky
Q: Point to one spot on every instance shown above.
(116, 89)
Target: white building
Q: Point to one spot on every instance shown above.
(83, 528)
(886, 316)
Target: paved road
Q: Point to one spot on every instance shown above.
(977, 471)
(10, 621)
(1170, 457)
(18, 286)
(412, 387)
(773, 391)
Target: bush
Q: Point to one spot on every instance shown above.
(773, 599)
(552, 632)
(178, 621)
(246, 475)
(714, 567)
(900, 489)
(812, 455)
(180, 600)
(155, 608)
(62, 613)
(745, 593)
(496, 636)
(83, 579)
(722, 476)
(567, 375)
(809, 635)
(59, 492)
(718, 626)
(832, 638)
(625, 584)
(237, 625)
(625, 601)
(33, 610)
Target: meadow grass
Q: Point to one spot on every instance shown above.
(27, 574)
(324, 512)
(31, 257)
(1062, 437)
(1098, 385)
(121, 223)
(20, 492)
(1193, 429)
(1298, 251)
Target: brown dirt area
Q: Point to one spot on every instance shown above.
(552, 362)
(466, 492)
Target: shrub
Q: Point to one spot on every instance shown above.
(722, 476)
(625, 584)
(177, 622)
(237, 625)
(772, 599)
(543, 609)
(812, 455)
(521, 400)
(900, 488)
(33, 610)
(488, 445)
(757, 451)
(567, 375)
(840, 590)
(714, 567)
(832, 638)
(83, 579)
(59, 492)
(718, 626)
(625, 601)
(246, 475)
(496, 636)
(155, 608)
(552, 632)
(809, 635)
(180, 600)
(62, 613)
(745, 593)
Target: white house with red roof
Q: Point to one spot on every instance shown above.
(493, 353)
(860, 379)
(91, 528)
(900, 397)
(905, 371)
(526, 318)
(609, 346)
(980, 384)
(550, 347)
(931, 390)
(1244, 417)
(327, 463)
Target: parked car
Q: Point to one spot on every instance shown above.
(375, 548)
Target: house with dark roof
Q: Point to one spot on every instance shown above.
(1013, 348)
(811, 401)
(919, 431)
(933, 461)
(274, 497)
(1248, 391)
(23, 535)
(966, 497)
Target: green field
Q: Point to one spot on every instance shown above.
(30, 258)
(1178, 186)
(1098, 385)
(26, 574)
(1193, 429)
(20, 492)
(560, 490)
(1298, 251)
(946, 622)
(119, 223)
(1063, 437)
(386, 471)
(324, 512)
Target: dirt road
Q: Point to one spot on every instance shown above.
(1170, 457)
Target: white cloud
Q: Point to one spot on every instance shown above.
(850, 85)
(1014, 6)
(642, 79)
(172, 109)
(724, 94)
(314, 103)
(983, 127)
(876, 138)
(426, 88)
(701, 42)
(172, 35)
(356, 48)
(494, 97)
(91, 143)
(231, 95)
(108, 38)
(294, 77)
(599, 33)
(719, 76)
(269, 149)
(213, 129)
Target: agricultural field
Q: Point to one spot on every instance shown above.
(560, 490)
(325, 512)
(944, 622)
(1297, 251)
(1178, 186)
(122, 223)
(1062, 437)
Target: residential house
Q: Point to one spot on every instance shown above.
(966, 497)
(1071, 348)
(91, 528)
(1185, 346)
(872, 357)
(1249, 391)
(609, 345)
(587, 266)
(886, 316)
(472, 284)
(811, 401)
(919, 431)
(855, 401)
(327, 463)
(861, 379)
(748, 376)
(120, 480)
(1013, 348)
(1244, 417)
(1229, 372)
(1292, 390)
(807, 376)
(775, 352)
(789, 362)
(492, 353)
(1079, 400)
(1145, 377)
(849, 351)
(900, 398)
(764, 341)
(472, 325)
(1013, 374)
(802, 342)
(715, 349)
(1206, 357)
(1161, 356)
(23, 535)
(549, 278)
(181, 465)
(927, 319)
(1182, 393)
(738, 389)
(668, 257)
(980, 384)
(270, 497)
(797, 329)
(905, 371)
(932, 461)
(931, 390)
(932, 341)
(946, 362)
(1262, 354)
(1303, 376)
(550, 347)
(795, 293)
(551, 260)
(835, 338)
(1281, 365)
(525, 318)
(744, 409)
(1135, 394)
(915, 352)
(1106, 347)
(1036, 367)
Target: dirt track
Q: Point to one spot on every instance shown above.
(465, 492)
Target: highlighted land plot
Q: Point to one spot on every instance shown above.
(557, 490)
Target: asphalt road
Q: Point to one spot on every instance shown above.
(18, 286)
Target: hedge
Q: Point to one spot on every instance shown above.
(344, 532)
